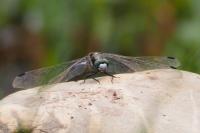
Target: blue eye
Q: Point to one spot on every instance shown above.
(96, 64)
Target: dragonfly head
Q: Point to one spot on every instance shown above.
(101, 65)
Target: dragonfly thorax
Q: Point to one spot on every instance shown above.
(101, 65)
(99, 62)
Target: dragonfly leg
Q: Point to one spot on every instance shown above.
(96, 80)
(110, 75)
(90, 75)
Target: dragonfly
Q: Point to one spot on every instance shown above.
(90, 66)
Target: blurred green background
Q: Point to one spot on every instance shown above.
(36, 33)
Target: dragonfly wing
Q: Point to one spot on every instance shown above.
(40, 76)
(119, 64)
(156, 62)
(79, 70)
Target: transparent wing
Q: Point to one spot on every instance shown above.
(79, 70)
(124, 64)
(40, 76)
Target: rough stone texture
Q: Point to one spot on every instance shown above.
(157, 101)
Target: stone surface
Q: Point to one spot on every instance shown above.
(156, 101)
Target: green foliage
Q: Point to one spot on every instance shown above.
(72, 28)
(24, 130)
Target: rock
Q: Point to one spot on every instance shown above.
(155, 101)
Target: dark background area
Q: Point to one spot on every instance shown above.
(38, 33)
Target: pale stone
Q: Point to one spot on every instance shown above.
(156, 101)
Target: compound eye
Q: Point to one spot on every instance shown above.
(103, 67)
